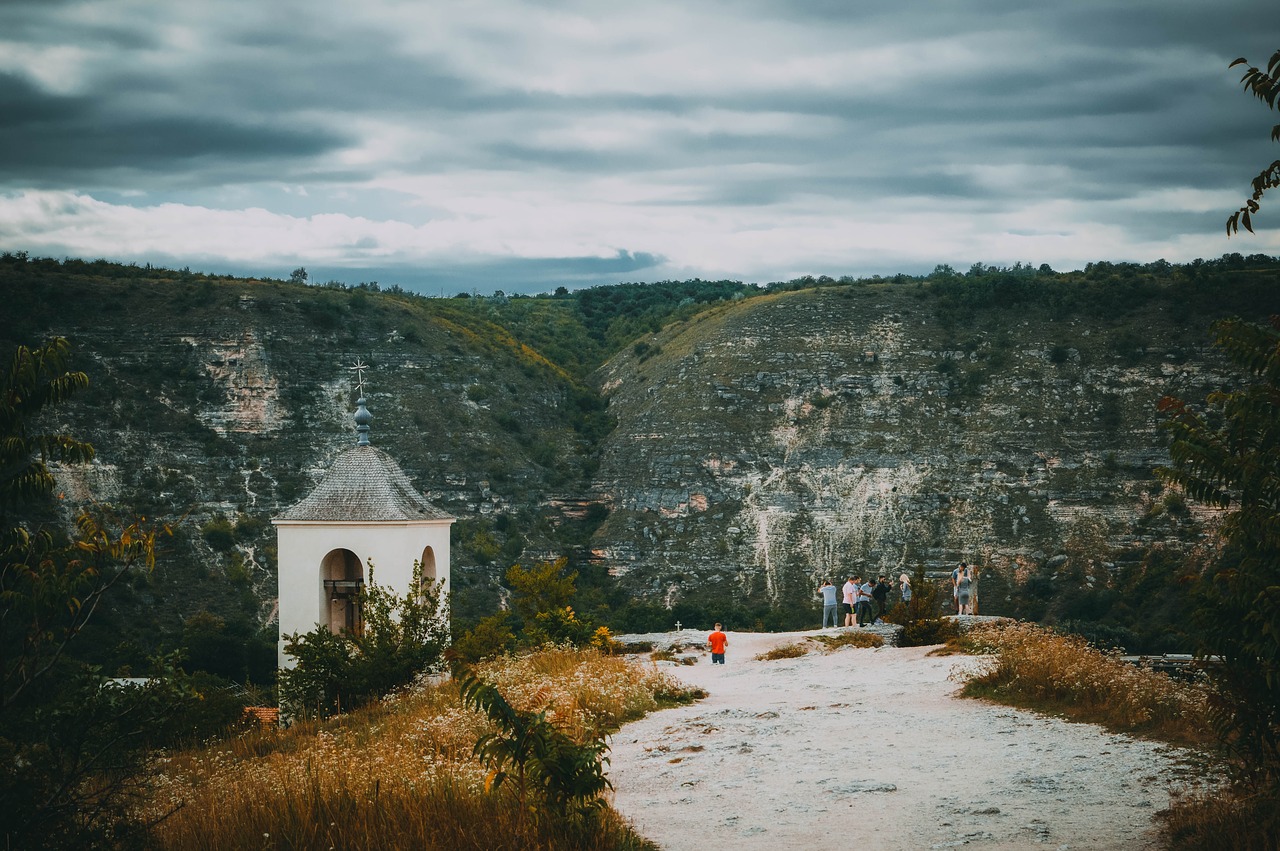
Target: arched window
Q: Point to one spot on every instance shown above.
(343, 575)
(428, 562)
(428, 578)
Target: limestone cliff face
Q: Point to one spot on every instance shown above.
(759, 445)
(813, 433)
(241, 369)
(213, 406)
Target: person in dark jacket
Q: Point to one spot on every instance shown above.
(881, 595)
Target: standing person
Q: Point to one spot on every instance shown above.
(964, 590)
(904, 589)
(718, 641)
(865, 615)
(830, 600)
(850, 591)
(880, 593)
(955, 585)
(857, 600)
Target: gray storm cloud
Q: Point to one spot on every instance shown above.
(520, 145)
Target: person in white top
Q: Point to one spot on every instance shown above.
(850, 595)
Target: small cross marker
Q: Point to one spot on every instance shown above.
(678, 626)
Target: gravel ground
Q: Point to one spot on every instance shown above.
(872, 749)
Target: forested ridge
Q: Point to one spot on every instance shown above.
(215, 401)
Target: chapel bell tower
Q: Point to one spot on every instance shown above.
(364, 510)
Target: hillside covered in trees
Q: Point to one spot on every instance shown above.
(696, 449)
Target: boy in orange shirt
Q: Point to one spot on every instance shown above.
(718, 641)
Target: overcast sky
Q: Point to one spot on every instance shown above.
(451, 146)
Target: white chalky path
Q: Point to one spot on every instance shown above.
(870, 749)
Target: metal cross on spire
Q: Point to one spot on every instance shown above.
(359, 368)
(363, 417)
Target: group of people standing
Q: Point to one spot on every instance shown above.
(859, 602)
(865, 602)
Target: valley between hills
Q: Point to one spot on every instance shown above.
(696, 449)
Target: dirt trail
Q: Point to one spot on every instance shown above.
(871, 749)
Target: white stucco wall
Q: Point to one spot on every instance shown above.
(392, 547)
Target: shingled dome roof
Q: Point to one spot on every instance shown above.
(364, 484)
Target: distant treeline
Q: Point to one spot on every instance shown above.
(579, 329)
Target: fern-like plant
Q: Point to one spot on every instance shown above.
(542, 763)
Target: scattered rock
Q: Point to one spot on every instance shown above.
(857, 786)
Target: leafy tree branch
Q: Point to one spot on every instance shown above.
(1265, 86)
(71, 744)
(1229, 457)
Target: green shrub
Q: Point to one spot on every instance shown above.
(670, 655)
(218, 534)
(633, 647)
(535, 758)
(238, 572)
(1102, 636)
(248, 527)
(927, 631)
(491, 636)
(402, 638)
(559, 626)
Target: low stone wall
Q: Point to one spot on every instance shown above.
(964, 623)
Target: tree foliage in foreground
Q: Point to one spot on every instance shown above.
(540, 614)
(1265, 86)
(1229, 457)
(71, 744)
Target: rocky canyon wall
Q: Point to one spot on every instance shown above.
(817, 433)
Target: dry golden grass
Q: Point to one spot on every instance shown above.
(400, 774)
(1040, 669)
(783, 651)
(581, 690)
(1239, 820)
(1037, 668)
